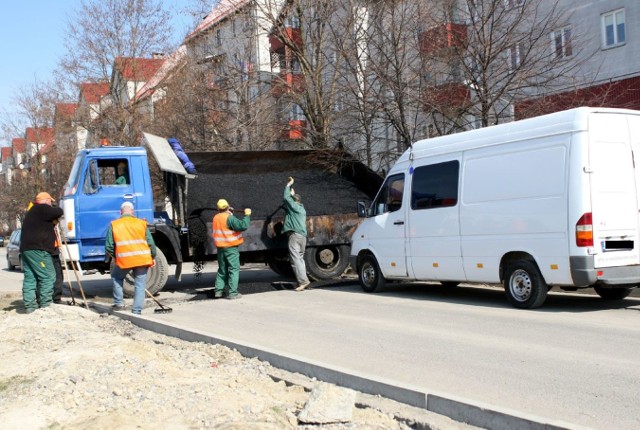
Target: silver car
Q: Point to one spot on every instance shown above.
(13, 250)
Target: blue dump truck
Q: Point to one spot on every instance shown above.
(180, 215)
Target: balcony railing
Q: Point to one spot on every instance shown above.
(443, 37)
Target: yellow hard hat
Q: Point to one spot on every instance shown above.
(222, 204)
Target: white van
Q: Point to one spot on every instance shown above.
(547, 201)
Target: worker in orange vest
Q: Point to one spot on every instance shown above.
(227, 238)
(130, 243)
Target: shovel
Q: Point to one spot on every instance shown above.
(162, 309)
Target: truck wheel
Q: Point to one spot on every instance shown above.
(281, 267)
(612, 293)
(370, 275)
(326, 262)
(524, 285)
(156, 276)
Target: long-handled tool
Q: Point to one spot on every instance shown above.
(162, 309)
(75, 271)
(66, 268)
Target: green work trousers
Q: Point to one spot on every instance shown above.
(228, 270)
(39, 277)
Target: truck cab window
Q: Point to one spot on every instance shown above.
(114, 172)
(435, 186)
(390, 196)
(91, 183)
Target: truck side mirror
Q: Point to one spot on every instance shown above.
(362, 208)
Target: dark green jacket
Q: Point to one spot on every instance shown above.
(295, 218)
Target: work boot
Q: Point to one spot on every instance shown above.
(234, 297)
(303, 286)
(217, 295)
(117, 307)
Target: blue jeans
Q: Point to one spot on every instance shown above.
(140, 283)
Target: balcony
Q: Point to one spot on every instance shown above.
(443, 37)
(287, 82)
(292, 34)
(447, 96)
(294, 130)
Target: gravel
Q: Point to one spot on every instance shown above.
(66, 367)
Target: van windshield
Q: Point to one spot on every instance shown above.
(72, 184)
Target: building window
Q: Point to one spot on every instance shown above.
(515, 52)
(561, 41)
(218, 37)
(613, 31)
(513, 3)
(296, 113)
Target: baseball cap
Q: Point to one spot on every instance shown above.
(44, 196)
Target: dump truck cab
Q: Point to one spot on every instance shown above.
(101, 179)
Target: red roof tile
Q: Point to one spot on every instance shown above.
(138, 69)
(93, 92)
(65, 110)
(40, 135)
(19, 144)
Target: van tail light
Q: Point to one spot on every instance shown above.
(584, 230)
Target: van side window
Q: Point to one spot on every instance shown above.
(390, 196)
(435, 186)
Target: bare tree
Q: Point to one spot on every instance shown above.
(497, 52)
(101, 31)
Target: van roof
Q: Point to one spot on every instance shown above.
(567, 121)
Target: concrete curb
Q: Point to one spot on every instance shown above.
(457, 408)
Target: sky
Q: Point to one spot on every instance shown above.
(32, 41)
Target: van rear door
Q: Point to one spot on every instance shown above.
(614, 188)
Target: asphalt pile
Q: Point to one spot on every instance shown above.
(256, 180)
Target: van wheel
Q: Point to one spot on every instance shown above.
(524, 285)
(612, 293)
(156, 276)
(326, 262)
(370, 276)
(9, 265)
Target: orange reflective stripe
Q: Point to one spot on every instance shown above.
(130, 239)
(223, 236)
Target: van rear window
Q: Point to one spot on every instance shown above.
(435, 186)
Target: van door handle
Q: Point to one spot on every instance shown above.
(398, 222)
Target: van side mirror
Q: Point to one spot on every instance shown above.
(362, 208)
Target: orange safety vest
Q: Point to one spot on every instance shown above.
(222, 235)
(130, 239)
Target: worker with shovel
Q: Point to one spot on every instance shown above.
(129, 241)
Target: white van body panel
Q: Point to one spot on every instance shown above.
(522, 188)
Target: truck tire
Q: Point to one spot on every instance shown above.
(612, 293)
(326, 262)
(156, 276)
(524, 285)
(281, 267)
(370, 275)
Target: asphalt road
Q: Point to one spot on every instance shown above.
(575, 359)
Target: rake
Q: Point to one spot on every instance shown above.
(162, 309)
